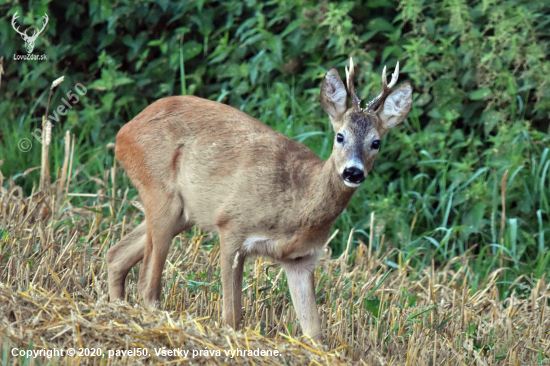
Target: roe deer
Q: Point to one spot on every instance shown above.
(196, 162)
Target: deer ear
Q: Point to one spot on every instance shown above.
(396, 106)
(333, 95)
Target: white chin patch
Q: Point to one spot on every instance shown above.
(353, 185)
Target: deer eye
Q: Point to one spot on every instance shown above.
(340, 138)
(375, 145)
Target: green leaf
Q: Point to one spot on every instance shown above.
(123, 81)
(373, 305)
(191, 49)
(380, 24)
(291, 27)
(489, 119)
(480, 94)
(412, 300)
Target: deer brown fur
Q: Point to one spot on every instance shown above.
(200, 163)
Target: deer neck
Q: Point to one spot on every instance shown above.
(326, 195)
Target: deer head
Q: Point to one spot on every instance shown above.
(29, 40)
(359, 131)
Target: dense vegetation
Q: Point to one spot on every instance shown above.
(477, 136)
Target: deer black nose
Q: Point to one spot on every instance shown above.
(353, 175)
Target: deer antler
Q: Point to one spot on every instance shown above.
(386, 89)
(45, 21)
(351, 88)
(13, 25)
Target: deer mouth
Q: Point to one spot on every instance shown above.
(352, 185)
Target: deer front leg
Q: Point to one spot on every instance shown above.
(300, 278)
(232, 264)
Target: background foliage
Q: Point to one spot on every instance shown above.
(481, 104)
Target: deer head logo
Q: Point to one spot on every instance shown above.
(29, 40)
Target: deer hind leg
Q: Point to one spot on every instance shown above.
(232, 264)
(165, 220)
(122, 257)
